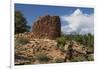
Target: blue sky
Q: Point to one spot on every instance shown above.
(31, 12)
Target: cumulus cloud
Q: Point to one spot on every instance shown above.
(78, 22)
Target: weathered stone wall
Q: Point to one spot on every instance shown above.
(47, 27)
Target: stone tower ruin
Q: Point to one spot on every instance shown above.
(47, 27)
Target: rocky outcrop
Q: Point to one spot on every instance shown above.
(47, 27)
(37, 48)
(28, 52)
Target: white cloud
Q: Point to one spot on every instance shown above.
(78, 22)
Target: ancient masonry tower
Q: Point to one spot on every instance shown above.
(47, 27)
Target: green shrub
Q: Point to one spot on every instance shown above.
(61, 40)
(90, 49)
(78, 58)
(90, 57)
(86, 39)
(59, 60)
(42, 57)
(21, 41)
